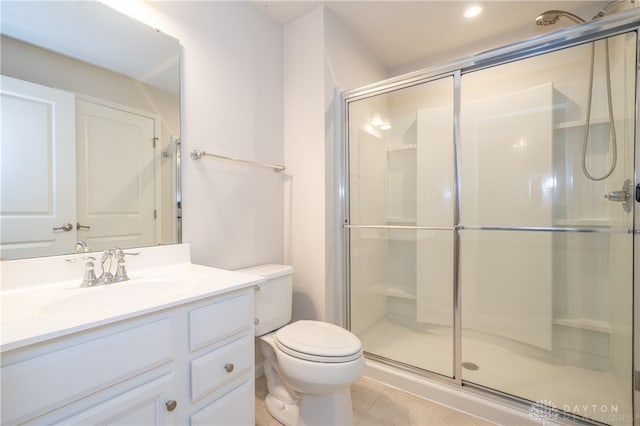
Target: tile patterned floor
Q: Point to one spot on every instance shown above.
(375, 404)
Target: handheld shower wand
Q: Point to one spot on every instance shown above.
(550, 17)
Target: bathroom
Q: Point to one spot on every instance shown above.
(279, 85)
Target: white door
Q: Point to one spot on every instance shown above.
(37, 174)
(116, 177)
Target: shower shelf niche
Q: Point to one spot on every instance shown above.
(580, 123)
(584, 324)
(401, 221)
(584, 222)
(401, 148)
(385, 290)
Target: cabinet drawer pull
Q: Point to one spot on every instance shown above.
(171, 405)
(256, 288)
(228, 367)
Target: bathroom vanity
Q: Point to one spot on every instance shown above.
(173, 345)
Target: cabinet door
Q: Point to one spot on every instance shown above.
(37, 385)
(234, 408)
(143, 405)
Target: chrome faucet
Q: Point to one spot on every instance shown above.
(106, 277)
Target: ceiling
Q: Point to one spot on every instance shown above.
(406, 34)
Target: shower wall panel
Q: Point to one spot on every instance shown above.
(506, 167)
(507, 181)
(435, 202)
(368, 176)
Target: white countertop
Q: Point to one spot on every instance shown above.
(36, 313)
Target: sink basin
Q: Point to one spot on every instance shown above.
(155, 288)
(111, 298)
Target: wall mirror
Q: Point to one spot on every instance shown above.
(90, 142)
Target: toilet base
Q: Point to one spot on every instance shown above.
(314, 410)
(322, 410)
(287, 414)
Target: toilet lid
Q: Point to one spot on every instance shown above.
(318, 341)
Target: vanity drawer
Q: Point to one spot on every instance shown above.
(43, 383)
(220, 319)
(212, 370)
(234, 408)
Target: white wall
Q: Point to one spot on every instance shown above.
(320, 57)
(304, 215)
(348, 64)
(232, 104)
(240, 82)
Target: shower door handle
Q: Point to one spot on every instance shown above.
(619, 196)
(624, 196)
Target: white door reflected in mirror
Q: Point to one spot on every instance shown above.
(116, 175)
(101, 154)
(38, 130)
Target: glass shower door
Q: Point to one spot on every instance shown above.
(546, 269)
(401, 233)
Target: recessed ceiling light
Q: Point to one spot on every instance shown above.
(472, 11)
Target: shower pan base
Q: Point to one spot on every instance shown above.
(578, 391)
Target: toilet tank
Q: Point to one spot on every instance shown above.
(273, 298)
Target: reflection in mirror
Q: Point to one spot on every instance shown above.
(89, 148)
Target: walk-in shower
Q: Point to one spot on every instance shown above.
(479, 253)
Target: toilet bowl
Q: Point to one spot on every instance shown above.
(309, 365)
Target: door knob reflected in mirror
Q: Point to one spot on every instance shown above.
(66, 227)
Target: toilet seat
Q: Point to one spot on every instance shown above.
(318, 342)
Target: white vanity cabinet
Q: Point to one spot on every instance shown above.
(191, 363)
(221, 353)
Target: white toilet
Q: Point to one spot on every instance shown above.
(309, 365)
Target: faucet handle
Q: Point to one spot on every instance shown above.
(90, 278)
(121, 273)
(120, 254)
(79, 259)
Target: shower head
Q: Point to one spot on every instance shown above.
(550, 17)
